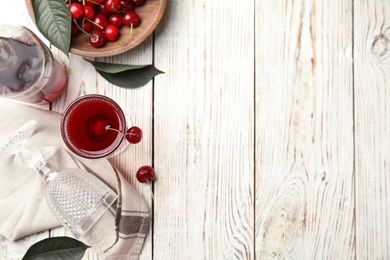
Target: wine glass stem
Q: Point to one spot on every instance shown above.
(34, 159)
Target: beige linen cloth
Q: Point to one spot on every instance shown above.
(121, 231)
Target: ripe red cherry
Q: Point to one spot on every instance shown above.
(113, 6)
(101, 10)
(74, 29)
(138, 2)
(127, 6)
(111, 33)
(98, 2)
(97, 39)
(99, 128)
(115, 19)
(145, 174)
(134, 135)
(100, 22)
(86, 26)
(90, 3)
(76, 10)
(131, 17)
(89, 12)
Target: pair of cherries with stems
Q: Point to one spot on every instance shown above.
(133, 135)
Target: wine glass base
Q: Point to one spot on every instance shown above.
(18, 139)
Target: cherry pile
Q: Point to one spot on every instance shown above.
(101, 20)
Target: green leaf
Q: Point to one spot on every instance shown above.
(54, 21)
(113, 68)
(64, 248)
(126, 76)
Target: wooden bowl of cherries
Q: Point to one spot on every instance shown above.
(102, 28)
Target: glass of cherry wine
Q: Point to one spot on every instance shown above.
(94, 126)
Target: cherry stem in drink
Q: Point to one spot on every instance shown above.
(133, 134)
(116, 130)
(112, 129)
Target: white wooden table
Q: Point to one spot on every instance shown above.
(269, 131)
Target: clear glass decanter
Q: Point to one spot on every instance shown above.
(29, 71)
(76, 197)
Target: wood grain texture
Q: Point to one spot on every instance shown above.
(372, 121)
(304, 131)
(268, 131)
(204, 131)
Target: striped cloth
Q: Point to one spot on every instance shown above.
(131, 223)
(119, 234)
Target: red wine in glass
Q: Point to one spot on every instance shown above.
(87, 124)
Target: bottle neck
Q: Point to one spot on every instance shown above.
(7, 53)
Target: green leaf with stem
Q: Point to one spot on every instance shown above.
(126, 76)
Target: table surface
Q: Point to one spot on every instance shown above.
(269, 130)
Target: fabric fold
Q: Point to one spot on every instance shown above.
(118, 234)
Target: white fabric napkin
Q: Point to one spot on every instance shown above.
(121, 231)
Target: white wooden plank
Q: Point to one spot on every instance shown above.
(137, 104)
(372, 120)
(304, 130)
(204, 131)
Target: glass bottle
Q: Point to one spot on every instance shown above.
(28, 70)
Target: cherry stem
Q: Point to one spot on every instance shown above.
(96, 3)
(113, 129)
(98, 25)
(150, 186)
(81, 29)
(113, 8)
(132, 134)
(131, 33)
(116, 130)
